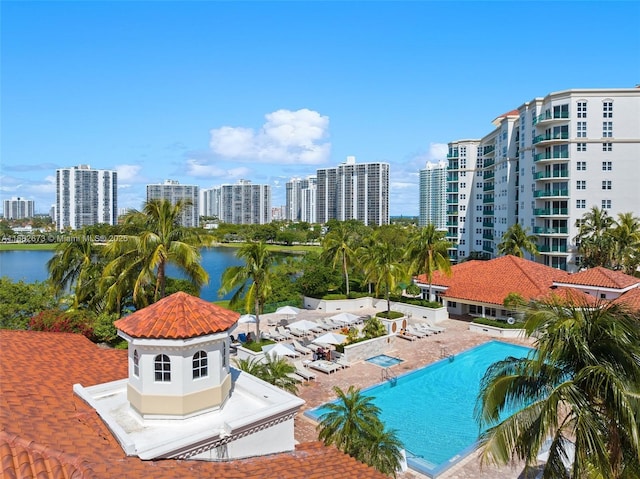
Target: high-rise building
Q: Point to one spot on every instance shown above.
(301, 199)
(353, 191)
(18, 208)
(544, 165)
(242, 203)
(433, 191)
(85, 197)
(173, 191)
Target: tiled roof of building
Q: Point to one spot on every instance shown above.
(631, 299)
(178, 316)
(50, 433)
(574, 296)
(602, 278)
(491, 281)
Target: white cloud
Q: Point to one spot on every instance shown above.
(202, 170)
(438, 151)
(287, 137)
(129, 174)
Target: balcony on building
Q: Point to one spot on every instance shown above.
(487, 222)
(549, 116)
(549, 175)
(551, 211)
(487, 236)
(453, 153)
(487, 199)
(556, 155)
(557, 248)
(543, 231)
(560, 192)
(488, 175)
(452, 177)
(551, 137)
(488, 186)
(452, 189)
(488, 150)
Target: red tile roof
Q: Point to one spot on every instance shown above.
(573, 296)
(178, 316)
(491, 281)
(48, 432)
(631, 299)
(603, 278)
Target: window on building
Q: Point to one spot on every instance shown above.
(463, 241)
(582, 109)
(136, 364)
(463, 208)
(200, 365)
(479, 219)
(606, 166)
(478, 242)
(478, 231)
(582, 147)
(581, 204)
(581, 185)
(463, 185)
(463, 162)
(582, 129)
(606, 204)
(607, 146)
(607, 109)
(606, 184)
(607, 129)
(463, 196)
(162, 366)
(581, 165)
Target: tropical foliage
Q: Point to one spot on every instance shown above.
(338, 247)
(251, 281)
(427, 253)
(19, 301)
(353, 425)
(581, 386)
(517, 241)
(274, 370)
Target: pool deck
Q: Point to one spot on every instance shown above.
(415, 354)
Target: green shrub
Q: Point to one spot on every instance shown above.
(256, 346)
(390, 314)
(358, 294)
(58, 321)
(334, 296)
(496, 323)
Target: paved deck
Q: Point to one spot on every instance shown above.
(415, 354)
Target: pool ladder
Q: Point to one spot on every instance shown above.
(388, 375)
(445, 354)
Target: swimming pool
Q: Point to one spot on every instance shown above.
(431, 408)
(384, 360)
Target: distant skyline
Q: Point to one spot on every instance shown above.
(208, 92)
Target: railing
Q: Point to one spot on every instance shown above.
(548, 193)
(541, 175)
(551, 156)
(550, 211)
(552, 249)
(547, 115)
(539, 230)
(562, 135)
(389, 375)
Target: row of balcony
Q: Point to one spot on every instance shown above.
(547, 115)
(543, 175)
(561, 135)
(562, 192)
(551, 156)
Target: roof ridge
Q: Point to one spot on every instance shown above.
(521, 267)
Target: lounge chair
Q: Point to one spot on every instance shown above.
(283, 332)
(273, 335)
(341, 360)
(327, 367)
(430, 327)
(296, 377)
(419, 333)
(297, 332)
(407, 336)
(300, 348)
(331, 324)
(325, 326)
(303, 372)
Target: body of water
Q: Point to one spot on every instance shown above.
(431, 408)
(31, 266)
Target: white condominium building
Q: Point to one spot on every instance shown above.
(85, 197)
(433, 188)
(18, 208)
(242, 203)
(173, 191)
(301, 199)
(354, 191)
(544, 165)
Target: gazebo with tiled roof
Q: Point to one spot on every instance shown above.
(178, 356)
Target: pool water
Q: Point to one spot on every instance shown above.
(431, 409)
(384, 361)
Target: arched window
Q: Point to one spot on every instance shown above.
(136, 364)
(200, 369)
(163, 368)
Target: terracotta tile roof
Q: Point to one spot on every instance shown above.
(491, 281)
(603, 278)
(569, 295)
(631, 299)
(178, 316)
(48, 430)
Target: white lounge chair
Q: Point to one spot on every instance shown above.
(341, 360)
(419, 333)
(297, 332)
(303, 372)
(431, 327)
(284, 332)
(327, 367)
(407, 336)
(300, 348)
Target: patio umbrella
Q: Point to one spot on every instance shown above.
(304, 325)
(330, 338)
(280, 350)
(287, 311)
(247, 318)
(346, 318)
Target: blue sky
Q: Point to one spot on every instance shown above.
(208, 92)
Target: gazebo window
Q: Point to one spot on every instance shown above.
(200, 369)
(163, 368)
(224, 354)
(136, 364)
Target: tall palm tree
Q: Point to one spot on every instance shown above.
(594, 238)
(427, 253)
(337, 246)
(144, 255)
(516, 241)
(626, 240)
(353, 425)
(252, 279)
(581, 385)
(383, 264)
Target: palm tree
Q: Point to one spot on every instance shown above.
(145, 255)
(516, 241)
(428, 252)
(252, 279)
(337, 246)
(581, 385)
(272, 369)
(626, 240)
(382, 263)
(353, 425)
(594, 238)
